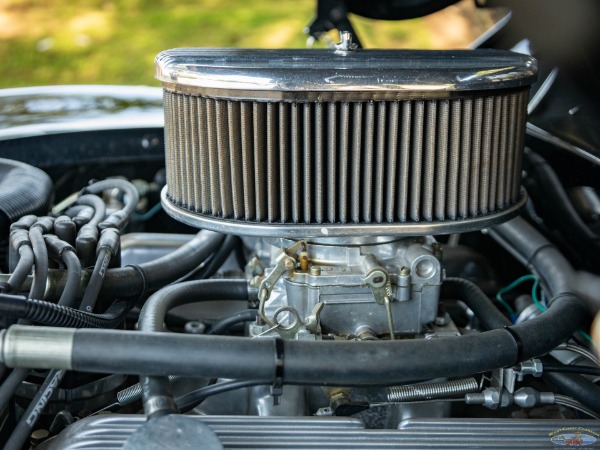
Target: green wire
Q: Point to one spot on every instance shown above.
(509, 288)
(534, 295)
(586, 336)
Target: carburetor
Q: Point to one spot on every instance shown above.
(368, 290)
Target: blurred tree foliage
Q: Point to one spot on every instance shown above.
(115, 41)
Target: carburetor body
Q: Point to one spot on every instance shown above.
(368, 290)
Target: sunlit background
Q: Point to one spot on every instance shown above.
(114, 42)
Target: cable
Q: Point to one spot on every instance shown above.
(97, 204)
(574, 404)
(191, 400)
(534, 295)
(40, 255)
(10, 385)
(581, 351)
(73, 283)
(223, 325)
(584, 370)
(119, 218)
(586, 336)
(572, 384)
(22, 270)
(95, 284)
(25, 425)
(27, 422)
(140, 280)
(148, 214)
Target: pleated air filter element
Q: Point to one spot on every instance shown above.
(315, 143)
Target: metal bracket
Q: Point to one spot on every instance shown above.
(379, 280)
(285, 261)
(313, 323)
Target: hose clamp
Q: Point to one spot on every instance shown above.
(159, 405)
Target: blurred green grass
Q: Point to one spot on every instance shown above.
(115, 41)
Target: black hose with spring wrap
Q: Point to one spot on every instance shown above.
(51, 314)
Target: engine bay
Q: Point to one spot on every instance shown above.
(337, 248)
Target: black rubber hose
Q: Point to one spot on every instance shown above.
(40, 255)
(99, 207)
(24, 190)
(153, 313)
(332, 363)
(51, 314)
(147, 277)
(555, 274)
(73, 283)
(559, 320)
(542, 334)
(140, 280)
(229, 245)
(583, 370)
(192, 399)
(538, 254)
(336, 363)
(487, 313)
(225, 324)
(157, 396)
(551, 195)
(339, 363)
(22, 269)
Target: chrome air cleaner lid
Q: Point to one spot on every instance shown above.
(324, 143)
(336, 75)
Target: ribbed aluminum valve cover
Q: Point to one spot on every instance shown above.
(324, 143)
